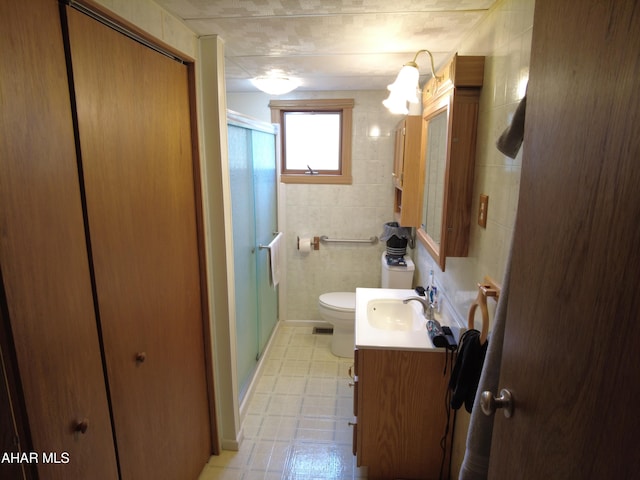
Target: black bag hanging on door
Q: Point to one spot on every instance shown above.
(466, 372)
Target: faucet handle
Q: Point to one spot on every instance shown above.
(430, 313)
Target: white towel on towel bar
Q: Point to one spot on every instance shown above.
(274, 259)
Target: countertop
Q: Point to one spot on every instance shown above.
(367, 336)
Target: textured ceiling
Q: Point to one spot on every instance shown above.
(329, 45)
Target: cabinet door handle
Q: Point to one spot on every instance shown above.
(81, 426)
(141, 357)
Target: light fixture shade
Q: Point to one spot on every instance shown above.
(406, 83)
(275, 85)
(396, 103)
(406, 88)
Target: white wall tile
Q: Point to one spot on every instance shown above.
(342, 211)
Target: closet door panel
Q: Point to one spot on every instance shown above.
(135, 137)
(43, 254)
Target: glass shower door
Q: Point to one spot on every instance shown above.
(264, 174)
(244, 251)
(252, 165)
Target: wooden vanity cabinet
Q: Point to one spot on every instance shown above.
(401, 415)
(408, 172)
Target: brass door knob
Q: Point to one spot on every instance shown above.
(489, 403)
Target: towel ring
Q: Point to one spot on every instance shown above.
(486, 289)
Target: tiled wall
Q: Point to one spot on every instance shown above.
(504, 38)
(356, 211)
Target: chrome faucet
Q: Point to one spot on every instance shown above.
(427, 307)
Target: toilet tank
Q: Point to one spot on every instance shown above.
(397, 277)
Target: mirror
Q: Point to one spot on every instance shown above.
(435, 154)
(435, 162)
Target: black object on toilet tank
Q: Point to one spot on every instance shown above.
(397, 238)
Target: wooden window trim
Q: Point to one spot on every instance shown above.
(342, 105)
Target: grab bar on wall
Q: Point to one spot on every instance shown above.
(371, 240)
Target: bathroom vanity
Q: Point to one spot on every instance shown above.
(399, 395)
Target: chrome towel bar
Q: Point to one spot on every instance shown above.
(268, 247)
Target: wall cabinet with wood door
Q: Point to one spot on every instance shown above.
(399, 404)
(451, 105)
(408, 172)
(100, 249)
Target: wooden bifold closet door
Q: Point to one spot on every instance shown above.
(136, 153)
(99, 252)
(43, 254)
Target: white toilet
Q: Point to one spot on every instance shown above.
(339, 308)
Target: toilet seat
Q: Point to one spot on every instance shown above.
(339, 309)
(339, 301)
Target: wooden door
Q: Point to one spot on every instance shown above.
(43, 252)
(135, 139)
(571, 351)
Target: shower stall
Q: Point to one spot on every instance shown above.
(252, 168)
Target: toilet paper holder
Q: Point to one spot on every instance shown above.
(315, 243)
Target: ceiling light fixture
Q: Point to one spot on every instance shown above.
(406, 87)
(275, 85)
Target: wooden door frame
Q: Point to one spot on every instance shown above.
(101, 14)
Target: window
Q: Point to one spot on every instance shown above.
(315, 140)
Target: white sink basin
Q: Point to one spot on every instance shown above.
(384, 322)
(393, 314)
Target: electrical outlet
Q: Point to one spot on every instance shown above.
(482, 210)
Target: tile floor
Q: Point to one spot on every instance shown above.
(297, 420)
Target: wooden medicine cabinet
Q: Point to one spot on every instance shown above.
(450, 115)
(407, 171)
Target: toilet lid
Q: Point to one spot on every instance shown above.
(342, 301)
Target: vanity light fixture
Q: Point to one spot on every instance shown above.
(275, 85)
(406, 88)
